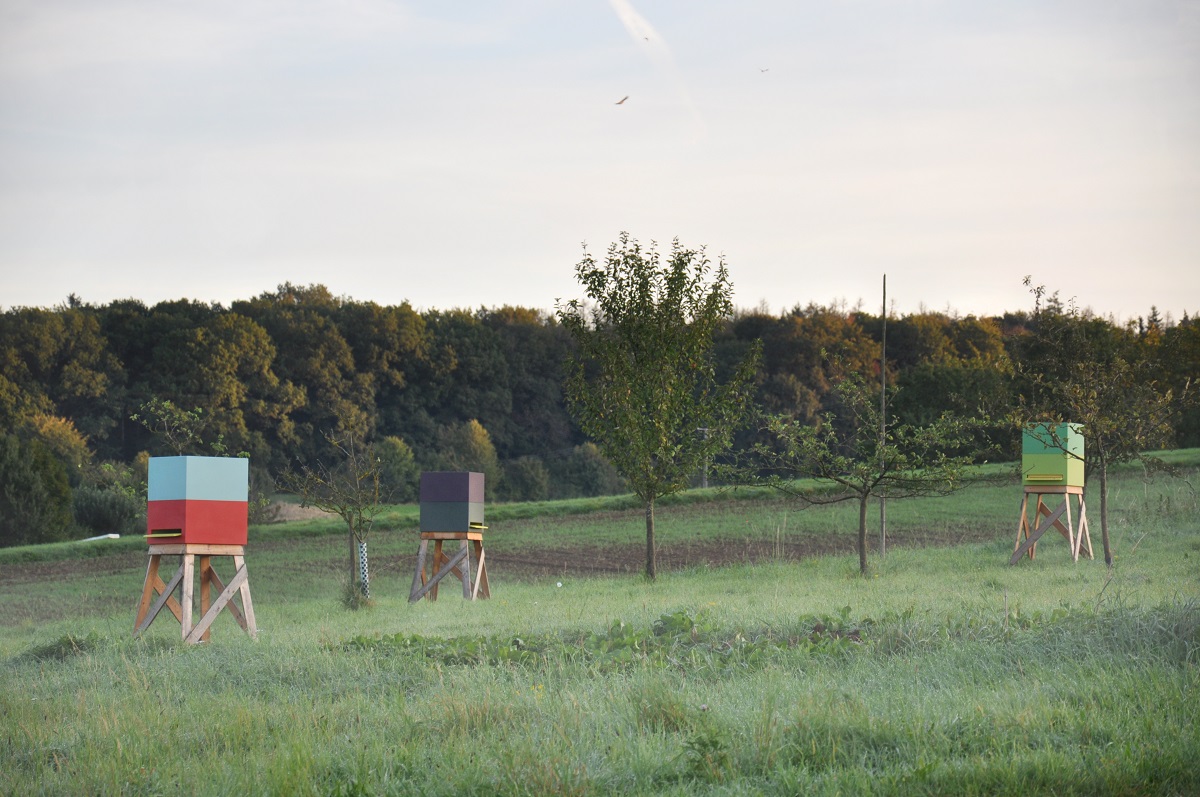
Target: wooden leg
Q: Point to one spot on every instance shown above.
(147, 590)
(1084, 536)
(1071, 531)
(165, 596)
(206, 577)
(481, 579)
(464, 573)
(419, 574)
(439, 559)
(243, 620)
(188, 568)
(201, 628)
(451, 564)
(1023, 526)
(1051, 521)
(248, 625)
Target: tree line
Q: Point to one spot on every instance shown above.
(83, 386)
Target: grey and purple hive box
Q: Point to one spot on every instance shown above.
(451, 501)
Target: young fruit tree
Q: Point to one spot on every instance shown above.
(644, 383)
(844, 450)
(349, 489)
(1079, 368)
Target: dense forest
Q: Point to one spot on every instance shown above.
(445, 389)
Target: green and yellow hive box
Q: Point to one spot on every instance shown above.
(1052, 455)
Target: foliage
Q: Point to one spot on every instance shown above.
(859, 458)
(35, 497)
(468, 447)
(268, 373)
(585, 472)
(679, 638)
(110, 499)
(177, 429)
(399, 475)
(106, 510)
(644, 386)
(63, 440)
(526, 479)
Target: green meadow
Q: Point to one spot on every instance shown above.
(759, 662)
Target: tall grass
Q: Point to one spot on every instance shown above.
(944, 672)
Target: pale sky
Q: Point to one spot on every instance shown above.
(459, 154)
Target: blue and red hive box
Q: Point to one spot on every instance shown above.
(198, 500)
(451, 501)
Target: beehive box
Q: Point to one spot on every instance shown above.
(451, 501)
(198, 500)
(1052, 455)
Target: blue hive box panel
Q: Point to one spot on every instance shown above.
(199, 479)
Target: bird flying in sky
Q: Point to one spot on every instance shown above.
(618, 102)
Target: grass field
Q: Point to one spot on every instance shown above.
(753, 665)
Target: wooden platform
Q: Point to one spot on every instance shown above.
(1044, 518)
(425, 583)
(156, 594)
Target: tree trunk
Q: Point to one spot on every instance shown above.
(1108, 560)
(651, 563)
(862, 533)
(353, 556)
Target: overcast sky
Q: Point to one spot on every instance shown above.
(459, 154)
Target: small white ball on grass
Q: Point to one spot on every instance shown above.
(559, 584)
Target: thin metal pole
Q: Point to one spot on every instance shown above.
(883, 422)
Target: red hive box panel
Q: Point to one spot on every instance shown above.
(188, 521)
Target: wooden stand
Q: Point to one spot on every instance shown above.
(1028, 533)
(459, 565)
(183, 579)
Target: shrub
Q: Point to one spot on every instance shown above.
(399, 474)
(526, 479)
(35, 498)
(586, 473)
(108, 509)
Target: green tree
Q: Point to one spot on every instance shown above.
(399, 475)
(585, 472)
(1075, 367)
(468, 446)
(645, 381)
(348, 485)
(1181, 369)
(312, 354)
(847, 453)
(526, 479)
(35, 498)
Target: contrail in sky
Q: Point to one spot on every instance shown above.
(655, 46)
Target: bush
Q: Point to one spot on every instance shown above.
(526, 479)
(261, 488)
(35, 498)
(586, 473)
(399, 475)
(468, 447)
(108, 510)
